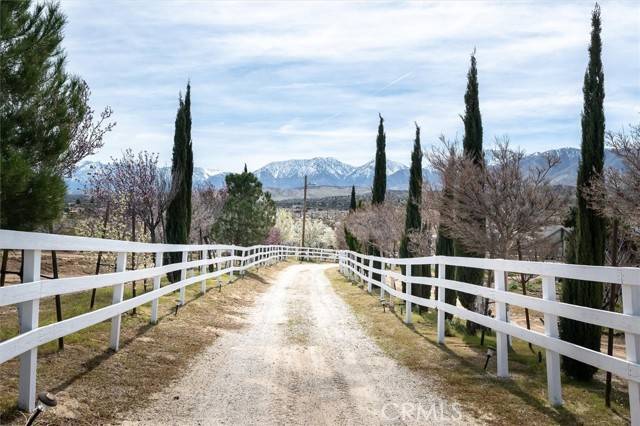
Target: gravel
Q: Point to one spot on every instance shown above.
(302, 359)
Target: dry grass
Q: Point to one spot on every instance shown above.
(95, 385)
(457, 368)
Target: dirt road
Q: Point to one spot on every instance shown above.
(302, 359)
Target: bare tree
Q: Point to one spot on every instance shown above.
(422, 241)
(88, 134)
(207, 204)
(154, 192)
(515, 203)
(617, 196)
(381, 225)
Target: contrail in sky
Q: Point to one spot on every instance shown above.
(402, 77)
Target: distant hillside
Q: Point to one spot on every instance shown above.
(330, 176)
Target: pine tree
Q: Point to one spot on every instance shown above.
(249, 213)
(590, 229)
(380, 172)
(178, 220)
(40, 105)
(472, 148)
(352, 205)
(413, 217)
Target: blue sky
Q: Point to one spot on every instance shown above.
(281, 80)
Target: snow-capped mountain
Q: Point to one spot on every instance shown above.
(290, 173)
(77, 184)
(363, 175)
(330, 171)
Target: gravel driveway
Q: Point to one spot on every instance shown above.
(302, 359)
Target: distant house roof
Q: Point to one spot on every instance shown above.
(552, 230)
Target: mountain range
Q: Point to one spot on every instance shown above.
(331, 172)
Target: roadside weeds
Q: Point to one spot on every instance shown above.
(95, 385)
(457, 369)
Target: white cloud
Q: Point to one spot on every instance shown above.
(282, 79)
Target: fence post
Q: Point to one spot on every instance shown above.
(118, 293)
(408, 312)
(554, 385)
(183, 276)
(28, 314)
(442, 274)
(383, 279)
(203, 270)
(351, 263)
(231, 264)
(631, 306)
(244, 261)
(156, 286)
(370, 275)
(502, 340)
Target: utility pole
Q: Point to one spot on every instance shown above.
(304, 210)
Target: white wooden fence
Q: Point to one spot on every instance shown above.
(357, 266)
(227, 259)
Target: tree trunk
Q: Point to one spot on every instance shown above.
(3, 268)
(54, 263)
(99, 261)
(612, 306)
(133, 255)
(523, 281)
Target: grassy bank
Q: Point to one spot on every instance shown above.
(457, 368)
(95, 385)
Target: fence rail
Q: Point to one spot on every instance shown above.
(363, 267)
(225, 259)
(198, 260)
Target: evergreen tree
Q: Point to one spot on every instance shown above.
(472, 148)
(178, 219)
(379, 189)
(444, 247)
(351, 240)
(188, 175)
(413, 217)
(249, 213)
(40, 105)
(380, 172)
(352, 205)
(590, 232)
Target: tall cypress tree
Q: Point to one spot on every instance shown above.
(380, 172)
(178, 219)
(472, 148)
(352, 205)
(590, 232)
(379, 189)
(413, 217)
(189, 157)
